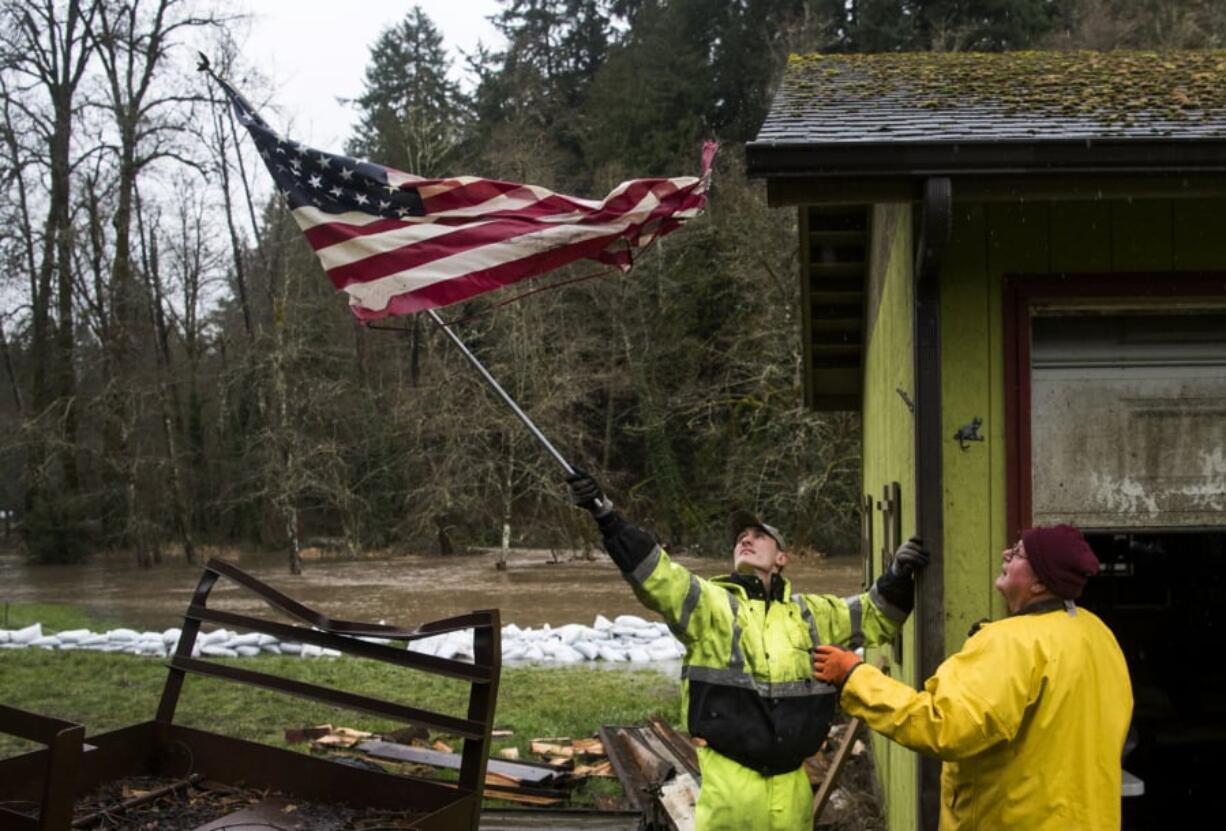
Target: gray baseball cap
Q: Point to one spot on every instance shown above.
(740, 520)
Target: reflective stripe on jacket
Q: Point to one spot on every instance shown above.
(1029, 718)
(747, 681)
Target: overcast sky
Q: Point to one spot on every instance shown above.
(316, 51)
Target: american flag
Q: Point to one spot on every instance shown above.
(398, 243)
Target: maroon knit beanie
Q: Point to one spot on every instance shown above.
(1061, 558)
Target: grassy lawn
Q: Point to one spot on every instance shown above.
(108, 691)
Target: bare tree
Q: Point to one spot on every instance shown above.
(45, 49)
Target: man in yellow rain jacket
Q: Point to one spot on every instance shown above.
(1030, 717)
(748, 690)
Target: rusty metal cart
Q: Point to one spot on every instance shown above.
(70, 765)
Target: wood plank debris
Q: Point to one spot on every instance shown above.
(341, 737)
(653, 763)
(604, 768)
(519, 819)
(305, 734)
(519, 771)
(681, 747)
(678, 798)
(552, 747)
(847, 743)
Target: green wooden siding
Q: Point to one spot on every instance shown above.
(989, 241)
(889, 432)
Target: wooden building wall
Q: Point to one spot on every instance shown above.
(989, 240)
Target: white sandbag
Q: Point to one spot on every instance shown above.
(512, 651)
(73, 635)
(638, 655)
(566, 655)
(329, 652)
(291, 648)
(153, 648)
(216, 637)
(247, 650)
(94, 640)
(218, 651)
(602, 623)
(122, 635)
(447, 649)
(610, 653)
(68, 647)
(171, 636)
(46, 642)
(310, 650)
(662, 650)
(264, 639)
(27, 635)
(12, 645)
(5, 636)
(248, 639)
(570, 633)
(511, 631)
(587, 649)
(633, 621)
(533, 653)
(271, 648)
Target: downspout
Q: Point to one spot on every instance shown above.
(935, 222)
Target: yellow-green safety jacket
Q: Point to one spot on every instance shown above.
(747, 678)
(1029, 718)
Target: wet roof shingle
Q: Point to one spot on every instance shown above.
(1003, 97)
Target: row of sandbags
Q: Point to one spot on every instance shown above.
(624, 639)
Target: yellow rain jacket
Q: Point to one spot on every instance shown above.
(1029, 719)
(747, 677)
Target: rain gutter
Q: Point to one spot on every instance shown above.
(807, 160)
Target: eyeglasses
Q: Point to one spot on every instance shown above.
(1015, 553)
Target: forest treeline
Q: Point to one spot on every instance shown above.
(177, 370)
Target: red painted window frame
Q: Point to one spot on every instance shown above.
(1021, 293)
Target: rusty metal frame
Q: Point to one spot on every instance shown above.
(64, 742)
(67, 767)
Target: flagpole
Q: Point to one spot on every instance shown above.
(489, 379)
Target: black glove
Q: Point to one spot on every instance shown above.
(910, 558)
(586, 494)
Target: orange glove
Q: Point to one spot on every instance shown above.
(833, 664)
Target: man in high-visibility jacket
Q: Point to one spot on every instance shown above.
(748, 691)
(1030, 716)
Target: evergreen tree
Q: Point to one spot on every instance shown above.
(413, 116)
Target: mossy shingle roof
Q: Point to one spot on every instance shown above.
(1031, 97)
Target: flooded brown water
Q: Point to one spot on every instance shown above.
(403, 590)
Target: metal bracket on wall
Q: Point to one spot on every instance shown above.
(906, 399)
(890, 506)
(969, 432)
